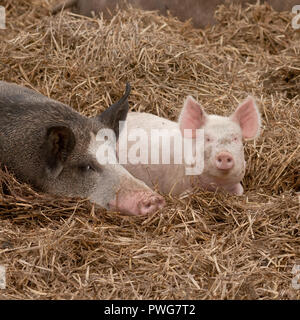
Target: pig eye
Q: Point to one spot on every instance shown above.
(235, 139)
(208, 139)
(86, 168)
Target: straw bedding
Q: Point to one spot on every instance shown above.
(201, 246)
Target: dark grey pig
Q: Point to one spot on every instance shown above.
(52, 147)
(200, 11)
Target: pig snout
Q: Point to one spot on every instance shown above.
(224, 161)
(138, 204)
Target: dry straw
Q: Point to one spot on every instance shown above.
(200, 246)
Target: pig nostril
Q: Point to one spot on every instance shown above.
(228, 160)
(147, 205)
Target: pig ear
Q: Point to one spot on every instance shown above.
(248, 117)
(192, 117)
(58, 144)
(116, 112)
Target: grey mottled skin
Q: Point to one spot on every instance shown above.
(52, 147)
(25, 116)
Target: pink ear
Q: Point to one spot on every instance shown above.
(247, 116)
(192, 117)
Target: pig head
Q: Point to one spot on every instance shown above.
(223, 152)
(52, 147)
(224, 163)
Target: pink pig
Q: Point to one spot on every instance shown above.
(224, 164)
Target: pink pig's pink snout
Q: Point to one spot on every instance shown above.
(139, 203)
(224, 161)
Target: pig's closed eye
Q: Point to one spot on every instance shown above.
(85, 168)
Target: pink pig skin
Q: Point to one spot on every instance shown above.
(224, 164)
